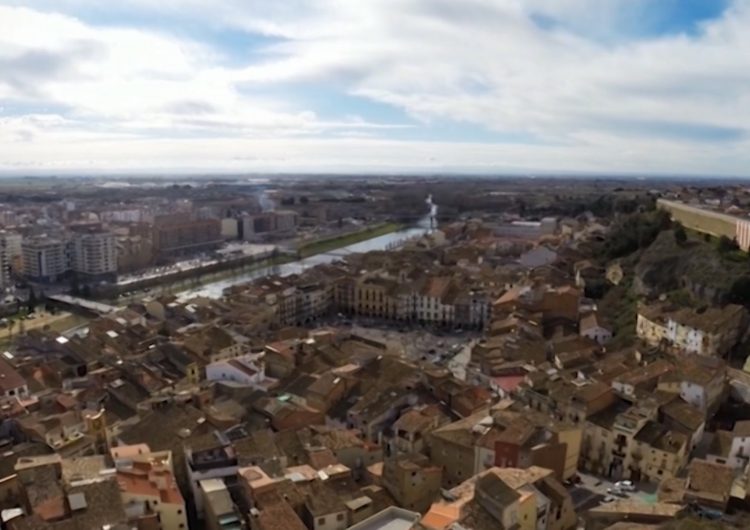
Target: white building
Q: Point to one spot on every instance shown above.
(217, 461)
(45, 259)
(591, 327)
(432, 304)
(738, 454)
(123, 216)
(245, 370)
(95, 254)
(220, 512)
(709, 331)
(12, 242)
(5, 262)
(230, 228)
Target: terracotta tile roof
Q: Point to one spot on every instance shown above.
(741, 429)
(10, 379)
(321, 458)
(145, 480)
(277, 514)
(710, 478)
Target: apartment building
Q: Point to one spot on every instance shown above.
(412, 480)
(522, 499)
(46, 259)
(434, 303)
(505, 439)
(11, 256)
(207, 459)
(700, 381)
(5, 264)
(220, 512)
(374, 297)
(94, 255)
(179, 235)
(732, 448)
(707, 331)
(627, 441)
(151, 497)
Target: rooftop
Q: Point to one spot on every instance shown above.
(152, 481)
(392, 518)
(710, 478)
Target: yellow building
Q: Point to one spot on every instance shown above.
(660, 452)
(538, 500)
(572, 437)
(527, 508)
(193, 373)
(373, 298)
(630, 444)
(650, 327)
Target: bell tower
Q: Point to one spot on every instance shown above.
(96, 425)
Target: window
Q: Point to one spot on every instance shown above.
(340, 517)
(179, 512)
(321, 520)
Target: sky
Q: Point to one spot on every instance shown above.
(639, 87)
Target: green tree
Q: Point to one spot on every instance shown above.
(680, 236)
(740, 291)
(726, 245)
(521, 207)
(32, 301)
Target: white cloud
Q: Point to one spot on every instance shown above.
(676, 103)
(129, 79)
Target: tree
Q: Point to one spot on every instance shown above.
(740, 291)
(521, 207)
(32, 301)
(632, 232)
(726, 245)
(680, 236)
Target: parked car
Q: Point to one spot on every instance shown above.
(625, 485)
(616, 491)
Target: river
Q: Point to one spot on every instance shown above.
(384, 242)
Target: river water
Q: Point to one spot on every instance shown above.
(384, 242)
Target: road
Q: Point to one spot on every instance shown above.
(592, 490)
(36, 320)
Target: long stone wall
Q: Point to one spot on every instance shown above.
(704, 221)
